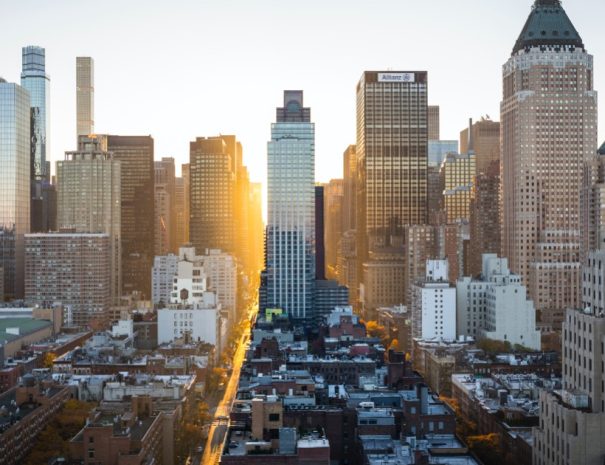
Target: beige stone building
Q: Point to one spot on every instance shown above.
(549, 131)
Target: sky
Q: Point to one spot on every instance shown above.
(182, 69)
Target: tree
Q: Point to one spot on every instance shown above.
(394, 345)
(487, 447)
(48, 359)
(493, 347)
(377, 330)
(53, 441)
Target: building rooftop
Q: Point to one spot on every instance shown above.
(548, 25)
(14, 328)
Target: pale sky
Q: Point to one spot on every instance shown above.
(177, 69)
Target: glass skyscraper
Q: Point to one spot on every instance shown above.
(37, 82)
(290, 255)
(14, 183)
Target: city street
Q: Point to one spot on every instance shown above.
(220, 424)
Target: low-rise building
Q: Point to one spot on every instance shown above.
(24, 412)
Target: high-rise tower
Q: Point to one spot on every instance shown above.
(135, 154)
(89, 199)
(85, 95)
(549, 131)
(14, 184)
(37, 82)
(290, 254)
(392, 131)
(212, 193)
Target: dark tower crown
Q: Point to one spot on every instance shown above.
(602, 149)
(548, 26)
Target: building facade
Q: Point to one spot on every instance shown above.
(15, 176)
(496, 306)
(72, 269)
(458, 172)
(572, 420)
(135, 154)
(433, 304)
(85, 96)
(392, 135)
(541, 181)
(37, 83)
(89, 198)
(212, 194)
(290, 241)
(165, 206)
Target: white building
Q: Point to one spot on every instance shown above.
(496, 306)
(193, 310)
(215, 271)
(162, 277)
(433, 304)
(221, 271)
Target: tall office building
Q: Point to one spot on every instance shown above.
(89, 199)
(458, 173)
(434, 120)
(484, 137)
(320, 230)
(257, 230)
(212, 192)
(392, 135)
(333, 205)
(15, 177)
(180, 193)
(290, 254)
(165, 206)
(137, 232)
(186, 174)
(349, 192)
(37, 82)
(549, 131)
(85, 96)
(72, 269)
(593, 204)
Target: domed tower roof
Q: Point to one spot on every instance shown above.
(601, 151)
(548, 25)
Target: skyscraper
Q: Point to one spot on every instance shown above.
(212, 194)
(392, 125)
(434, 120)
(85, 96)
(392, 135)
(333, 204)
(165, 207)
(37, 82)
(290, 263)
(458, 172)
(137, 232)
(549, 131)
(89, 199)
(15, 177)
(320, 240)
(484, 136)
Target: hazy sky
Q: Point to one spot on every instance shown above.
(177, 69)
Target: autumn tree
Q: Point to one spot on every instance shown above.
(374, 329)
(487, 447)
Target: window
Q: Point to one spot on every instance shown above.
(274, 417)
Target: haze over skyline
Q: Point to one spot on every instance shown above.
(202, 68)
